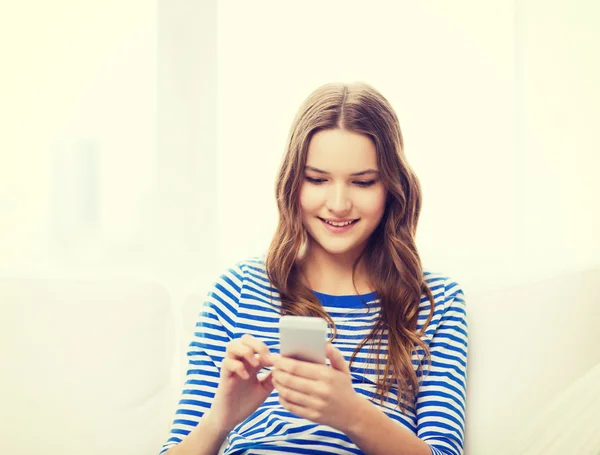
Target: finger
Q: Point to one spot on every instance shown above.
(235, 367)
(274, 357)
(257, 346)
(301, 368)
(238, 350)
(298, 398)
(267, 381)
(300, 411)
(300, 384)
(338, 361)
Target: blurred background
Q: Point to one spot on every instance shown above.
(142, 139)
(145, 137)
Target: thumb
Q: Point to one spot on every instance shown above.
(337, 359)
(266, 381)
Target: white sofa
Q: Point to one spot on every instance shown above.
(85, 366)
(528, 344)
(95, 367)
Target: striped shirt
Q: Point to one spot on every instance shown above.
(243, 301)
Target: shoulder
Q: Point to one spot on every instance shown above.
(252, 269)
(240, 270)
(445, 289)
(250, 273)
(449, 301)
(255, 265)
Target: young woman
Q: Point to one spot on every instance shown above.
(344, 250)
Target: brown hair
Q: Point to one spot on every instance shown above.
(390, 255)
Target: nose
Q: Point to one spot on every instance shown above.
(338, 200)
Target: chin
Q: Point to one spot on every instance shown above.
(339, 249)
(336, 246)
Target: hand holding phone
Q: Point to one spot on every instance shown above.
(303, 338)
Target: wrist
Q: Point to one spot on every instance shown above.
(360, 416)
(216, 425)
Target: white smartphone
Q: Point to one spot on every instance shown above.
(303, 338)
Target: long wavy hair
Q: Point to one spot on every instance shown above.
(390, 255)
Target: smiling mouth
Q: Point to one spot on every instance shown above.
(344, 224)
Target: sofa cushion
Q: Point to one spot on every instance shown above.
(527, 344)
(85, 366)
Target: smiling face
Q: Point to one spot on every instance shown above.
(342, 198)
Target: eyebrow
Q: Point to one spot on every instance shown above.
(356, 174)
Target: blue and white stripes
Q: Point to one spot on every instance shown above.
(240, 302)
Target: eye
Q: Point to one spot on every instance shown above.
(365, 183)
(315, 181)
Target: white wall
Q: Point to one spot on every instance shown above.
(134, 134)
(78, 97)
(559, 99)
(481, 90)
(108, 138)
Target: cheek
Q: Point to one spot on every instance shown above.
(373, 206)
(309, 199)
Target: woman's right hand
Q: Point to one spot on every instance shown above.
(240, 392)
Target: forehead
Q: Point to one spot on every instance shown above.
(337, 150)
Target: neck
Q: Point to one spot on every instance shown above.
(332, 274)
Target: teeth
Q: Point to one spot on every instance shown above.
(339, 224)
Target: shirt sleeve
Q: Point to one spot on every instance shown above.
(214, 329)
(441, 401)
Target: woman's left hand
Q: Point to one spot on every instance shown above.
(317, 392)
